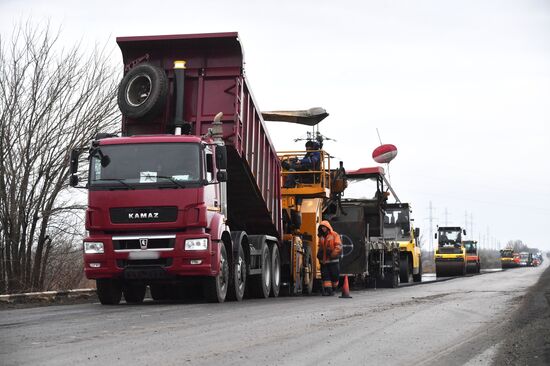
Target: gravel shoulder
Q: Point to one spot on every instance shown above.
(527, 335)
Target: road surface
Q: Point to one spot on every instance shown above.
(459, 321)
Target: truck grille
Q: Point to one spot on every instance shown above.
(135, 215)
(125, 263)
(153, 242)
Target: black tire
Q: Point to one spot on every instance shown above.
(391, 279)
(237, 275)
(275, 271)
(142, 92)
(134, 293)
(109, 291)
(215, 288)
(405, 270)
(418, 277)
(308, 280)
(160, 292)
(260, 285)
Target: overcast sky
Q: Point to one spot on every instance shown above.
(461, 87)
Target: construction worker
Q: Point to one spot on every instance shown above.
(310, 161)
(328, 253)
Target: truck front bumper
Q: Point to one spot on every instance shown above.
(151, 263)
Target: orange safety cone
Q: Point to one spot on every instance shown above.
(345, 289)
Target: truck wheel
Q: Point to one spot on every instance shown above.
(215, 288)
(109, 291)
(391, 279)
(160, 292)
(405, 270)
(275, 271)
(134, 293)
(307, 272)
(237, 275)
(260, 285)
(418, 277)
(142, 92)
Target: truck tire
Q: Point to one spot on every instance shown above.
(215, 288)
(134, 293)
(237, 275)
(391, 279)
(307, 275)
(142, 92)
(260, 285)
(405, 273)
(418, 277)
(275, 270)
(109, 291)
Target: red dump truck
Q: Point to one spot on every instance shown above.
(190, 193)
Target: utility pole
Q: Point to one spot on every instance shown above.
(472, 224)
(430, 248)
(466, 220)
(488, 237)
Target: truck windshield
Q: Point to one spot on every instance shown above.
(397, 224)
(362, 188)
(145, 165)
(506, 253)
(471, 246)
(449, 237)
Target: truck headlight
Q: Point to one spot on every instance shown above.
(93, 247)
(196, 244)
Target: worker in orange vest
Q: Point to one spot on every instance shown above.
(328, 253)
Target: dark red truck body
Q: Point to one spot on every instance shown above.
(214, 82)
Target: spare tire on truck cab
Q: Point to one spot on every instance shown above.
(142, 92)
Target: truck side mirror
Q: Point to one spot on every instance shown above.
(75, 154)
(73, 180)
(464, 231)
(221, 176)
(73, 167)
(221, 157)
(435, 236)
(417, 232)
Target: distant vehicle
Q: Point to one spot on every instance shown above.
(525, 259)
(450, 254)
(509, 259)
(473, 264)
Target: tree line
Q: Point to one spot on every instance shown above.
(52, 99)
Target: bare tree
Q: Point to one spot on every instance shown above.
(51, 100)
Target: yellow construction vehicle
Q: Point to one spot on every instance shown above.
(450, 254)
(308, 188)
(398, 225)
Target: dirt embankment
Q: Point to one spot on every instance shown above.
(528, 336)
